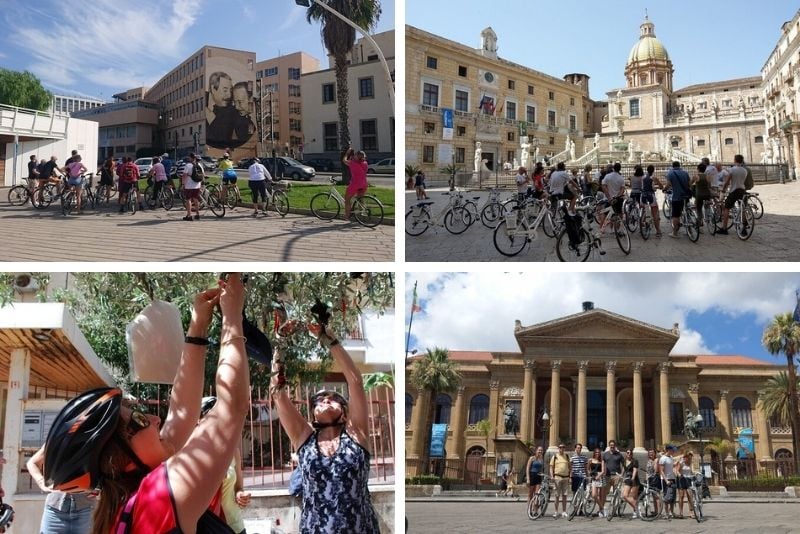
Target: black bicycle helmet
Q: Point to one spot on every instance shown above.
(335, 395)
(78, 435)
(206, 403)
(6, 515)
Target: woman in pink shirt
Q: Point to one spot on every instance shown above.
(357, 163)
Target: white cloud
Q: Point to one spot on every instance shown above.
(295, 16)
(476, 311)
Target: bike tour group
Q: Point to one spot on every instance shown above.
(609, 481)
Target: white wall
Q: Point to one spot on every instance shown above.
(379, 333)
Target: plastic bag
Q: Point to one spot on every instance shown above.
(155, 343)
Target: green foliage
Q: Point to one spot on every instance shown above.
(24, 90)
(423, 480)
(375, 380)
(761, 483)
(411, 170)
(722, 447)
(782, 335)
(451, 170)
(484, 427)
(775, 401)
(435, 372)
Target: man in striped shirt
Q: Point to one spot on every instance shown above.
(578, 467)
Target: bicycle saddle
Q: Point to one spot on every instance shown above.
(428, 203)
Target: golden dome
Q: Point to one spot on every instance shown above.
(648, 48)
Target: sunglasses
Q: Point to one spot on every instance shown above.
(137, 422)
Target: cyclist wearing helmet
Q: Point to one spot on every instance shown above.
(151, 480)
(333, 458)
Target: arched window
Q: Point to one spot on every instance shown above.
(707, 411)
(759, 140)
(729, 140)
(409, 406)
(442, 414)
(478, 408)
(741, 413)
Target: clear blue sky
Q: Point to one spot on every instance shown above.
(707, 40)
(102, 47)
(718, 313)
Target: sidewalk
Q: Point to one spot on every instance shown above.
(776, 237)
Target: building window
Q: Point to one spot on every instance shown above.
(727, 103)
(272, 71)
(510, 155)
(294, 73)
(511, 111)
(366, 88)
(741, 413)
(462, 71)
(551, 118)
(573, 122)
(429, 127)
(460, 154)
(634, 107)
(328, 93)
(530, 89)
(294, 108)
(759, 140)
(729, 140)
(432, 62)
(330, 137)
(551, 95)
(552, 141)
(511, 84)
(409, 407)
(707, 411)
(530, 114)
(442, 412)
(427, 154)
(676, 418)
(478, 408)
(701, 142)
(294, 90)
(369, 135)
(462, 101)
(572, 101)
(430, 95)
(461, 131)
(295, 125)
(510, 137)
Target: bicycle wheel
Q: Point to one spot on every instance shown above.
(690, 223)
(18, 195)
(574, 504)
(645, 225)
(68, 203)
(566, 251)
(589, 504)
(40, 199)
(133, 201)
(325, 206)
(215, 205)
(614, 505)
(697, 506)
(551, 224)
(368, 211)
(623, 237)
(745, 222)
(509, 242)
(491, 214)
(756, 205)
(149, 199)
(533, 508)
(632, 219)
(166, 198)
(457, 220)
(666, 207)
(648, 505)
(232, 198)
(472, 208)
(88, 198)
(416, 224)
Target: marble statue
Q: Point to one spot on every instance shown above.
(478, 153)
(741, 104)
(567, 142)
(620, 103)
(596, 139)
(690, 426)
(571, 150)
(525, 154)
(714, 106)
(510, 420)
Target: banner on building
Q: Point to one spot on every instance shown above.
(229, 106)
(447, 124)
(438, 437)
(746, 442)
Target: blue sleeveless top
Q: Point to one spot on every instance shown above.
(335, 494)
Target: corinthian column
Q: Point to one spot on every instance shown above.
(580, 416)
(638, 409)
(724, 414)
(555, 403)
(458, 426)
(611, 401)
(666, 427)
(528, 402)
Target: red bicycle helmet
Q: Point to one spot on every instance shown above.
(78, 435)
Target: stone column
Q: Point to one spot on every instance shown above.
(694, 394)
(19, 374)
(611, 401)
(458, 426)
(528, 402)
(419, 411)
(763, 445)
(666, 427)
(724, 419)
(555, 404)
(638, 409)
(580, 415)
(494, 399)
(657, 408)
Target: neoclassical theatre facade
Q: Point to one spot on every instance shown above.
(598, 376)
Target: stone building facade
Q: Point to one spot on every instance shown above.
(599, 376)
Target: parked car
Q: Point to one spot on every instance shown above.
(286, 167)
(144, 164)
(384, 166)
(322, 164)
(209, 163)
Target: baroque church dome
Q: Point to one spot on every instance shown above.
(648, 48)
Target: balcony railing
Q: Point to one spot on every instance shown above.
(45, 124)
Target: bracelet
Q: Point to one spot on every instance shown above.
(234, 338)
(196, 340)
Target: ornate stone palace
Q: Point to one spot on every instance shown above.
(598, 375)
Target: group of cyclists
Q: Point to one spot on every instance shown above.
(605, 470)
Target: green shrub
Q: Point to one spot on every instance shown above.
(422, 480)
(761, 483)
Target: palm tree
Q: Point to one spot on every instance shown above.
(339, 39)
(775, 401)
(434, 373)
(782, 335)
(484, 427)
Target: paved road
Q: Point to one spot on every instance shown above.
(157, 235)
(498, 517)
(776, 238)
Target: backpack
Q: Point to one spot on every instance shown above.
(748, 182)
(196, 173)
(127, 173)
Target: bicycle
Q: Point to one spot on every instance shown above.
(697, 496)
(69, 200)
(515, 230)
(582, 502)
(210, 199)
(20, 194)
(616, 502)
(650, 504)
(538, 505)
(278, 198)
(632, 211)
(418, 218)
(105, 193)
(165, 198)
(666, 205)
(615, 219)
(492, 210)
(646, 222)
(742, 217)
(367, 209)
(688, 221)
(755, 204)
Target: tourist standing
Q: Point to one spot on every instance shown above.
(128, 184)
(679, 181)
(74, 171)
(735, 182)
(259, 177)
(533, 472)
(560, 473)
(613, 462)
(666, 471)
(159, 174)
(649, 185)
(685, 474)
(597, 476)
(192, 183)
(419, 185)
(522, 182)
(578, 469)
(630, 479)
(357, 164)
(702, 191)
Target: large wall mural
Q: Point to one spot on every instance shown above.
(229, 105)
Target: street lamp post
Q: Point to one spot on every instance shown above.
(699, 421)
(362, 31)
(544, 425)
